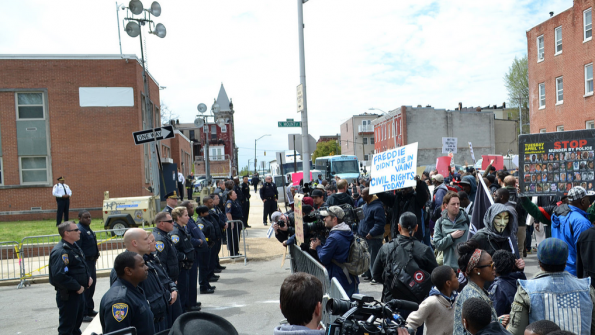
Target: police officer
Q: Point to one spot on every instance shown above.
(137, 240)
(246, 205)
(171, 199)
(190, 185)
(241, 199)
(166, 252)
(233, 211)
(70, 276)
(125, 303)
(255, 181)
(199, 242)
(181, 240)
(269, 196)
(204, 264)
(219, 221)
(88, 244)
(62, 193)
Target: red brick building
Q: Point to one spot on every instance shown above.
(560, 55)
(73, 116)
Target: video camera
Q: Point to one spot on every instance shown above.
(314, 222)
(364, 315)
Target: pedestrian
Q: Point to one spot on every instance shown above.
(199, 243)
(125, 304)
(181, 181)
(503, 288)
(341, 196)
(233, 211)
(476, 317)
(450, 230)
(88, 244)
(301, 304)
(465, 203)
(554, 294)
(62, 193)
(70, 276)
(513, 200)
(317, 198)
(541, 327)
(255, 181)
(190, 185)
(166, 252)
(499, 232)
(171, 199)
(269, 196)
(246, 206)
(372, 227)
(440, 191)
(204, 252)
(181, 240)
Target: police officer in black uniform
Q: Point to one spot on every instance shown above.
(71, 277)
(246, 204)
(166, 252)
(181, 240)
(204, 255)
(219, 221)
(233, 211)
(172, 201)
(269, 196)
(255, 181)
(125, 303)
(88, 244)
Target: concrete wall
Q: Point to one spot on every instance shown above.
(506, 135)
(352, 140)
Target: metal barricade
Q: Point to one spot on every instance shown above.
(9, 261)
(231, 244)
(336, 292)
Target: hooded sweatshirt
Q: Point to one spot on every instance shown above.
(337, 199)
(374, 219)
(491, 240)
(567, 225)
(436, 312)
(473, 183)
(337, 247)
(297, 330)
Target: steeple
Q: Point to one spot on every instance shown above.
(223, 100)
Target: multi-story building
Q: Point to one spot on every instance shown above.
(357, 137)
(560, 56)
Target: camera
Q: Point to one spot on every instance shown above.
(364, 315)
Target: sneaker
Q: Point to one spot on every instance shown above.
(365, 278)
(264, 223)
(373, 282)
(524, 253)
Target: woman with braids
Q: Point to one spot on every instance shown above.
(478, 268)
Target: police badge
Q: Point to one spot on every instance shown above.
(65, 258)
(119, 311)
(175, 239)
(159, 246)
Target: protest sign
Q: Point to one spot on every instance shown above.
(449, 144)
(498, 162)
(553, 163)
(297, 176)
(394, 169)
(299, 218)
(442, 165)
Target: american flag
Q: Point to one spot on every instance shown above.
(565, 310)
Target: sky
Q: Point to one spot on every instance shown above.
(359, 54)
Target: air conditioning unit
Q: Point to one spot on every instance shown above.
(167, 161)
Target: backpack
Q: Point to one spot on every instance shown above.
(358, 261)
(403, 276)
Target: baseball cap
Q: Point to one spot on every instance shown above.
(275, 216)
(320, 186)
(333, 211)
(308, 201)
(317, 193)
(552, 251)
(576, 193)
(438, 177)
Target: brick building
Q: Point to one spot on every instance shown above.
(560, 56)
(73, 116)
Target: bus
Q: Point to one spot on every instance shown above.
(344, 166)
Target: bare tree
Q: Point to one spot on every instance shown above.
(167, 114)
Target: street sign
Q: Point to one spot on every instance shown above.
(289, 123)
(298, 142)
(300, 98)
(161, 133)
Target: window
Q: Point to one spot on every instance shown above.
(588, 125)
(216, 154)
(224, 128)
(541, 95)
(191, 135)
(213, 132)
(589, 79)
(542, 131)
(559, 91)
(588, 27)
(558, 40)
(540, 48)
(366, 157)
(560, 128)
(30, 106)
(371, 140)
(33, 170)
(365, 140)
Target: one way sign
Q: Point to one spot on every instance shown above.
(161, 133)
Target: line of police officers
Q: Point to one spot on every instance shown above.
(149, 291)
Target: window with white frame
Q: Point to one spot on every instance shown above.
(589, 79)
(559, 90)
(34, 170)
(30, 106)
(560, 128)
(587, 24)
(542, 131)
(590, 124)
(540, 48)
(542, 95)
(365, 140)
(216, 153)
(224, 128)
(558, 34)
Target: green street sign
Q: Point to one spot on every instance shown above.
(289, 123)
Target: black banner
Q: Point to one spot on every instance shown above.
(553, 163)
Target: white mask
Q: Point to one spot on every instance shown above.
(501, 221)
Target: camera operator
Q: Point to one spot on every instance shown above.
(284, 226)
(336, 248)
(341, 197)
(317, 198)
(301, 304)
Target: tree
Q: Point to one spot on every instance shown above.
(167, 114)
(245, 171)
(326, 148)
(516, 81)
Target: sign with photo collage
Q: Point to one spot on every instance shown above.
(553, 163)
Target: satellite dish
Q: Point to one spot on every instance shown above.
(155, 9)
(132, 29)
(220, 123)
(202, 107)
(159, 30)
(136, 7)
(199, 122)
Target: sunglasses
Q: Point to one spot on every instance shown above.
(485, 266)
(74, 229)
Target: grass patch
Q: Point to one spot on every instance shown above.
(16, 230)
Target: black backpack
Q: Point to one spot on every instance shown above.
(403, 276)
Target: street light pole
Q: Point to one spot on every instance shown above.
(305, 135)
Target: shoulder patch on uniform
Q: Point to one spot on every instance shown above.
(229, 205)
(159, 246)
(119, 311)
(65, 258)
(175, 239)
(201, 226)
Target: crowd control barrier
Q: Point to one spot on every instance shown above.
(233, 243)
(9, 260)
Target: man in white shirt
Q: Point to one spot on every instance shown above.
(181, 181)
(62, 193)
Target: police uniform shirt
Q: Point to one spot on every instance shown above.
(233, 208)
(207, 229)
(181, 240)
(239, 193)
(68, 270)
(124, 305)
(168, 209)
(269, 191)
(61, 189)
(88, 242)
(168, 283)
(180, 178)
(246, 191)
(167, 253)
(198, 239)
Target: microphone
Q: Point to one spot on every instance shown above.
(403, 304)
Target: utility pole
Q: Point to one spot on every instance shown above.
(295, 158)
(305, 149)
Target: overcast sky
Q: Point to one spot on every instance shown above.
(359, 54)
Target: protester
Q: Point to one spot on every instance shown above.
(470, 189)
(541, 327)
(466, 203)
(440, 191)
(499, 232)
(504, 287)
(513, 200)
(585, 249)
(553, 294)
(492, 184)
(477, 320)
(341, 196)
(372, 227)
(437, 310)
(450, 230)
(477, 267)
(300, 301)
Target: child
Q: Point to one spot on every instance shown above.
(504, 288)
(437, 310)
